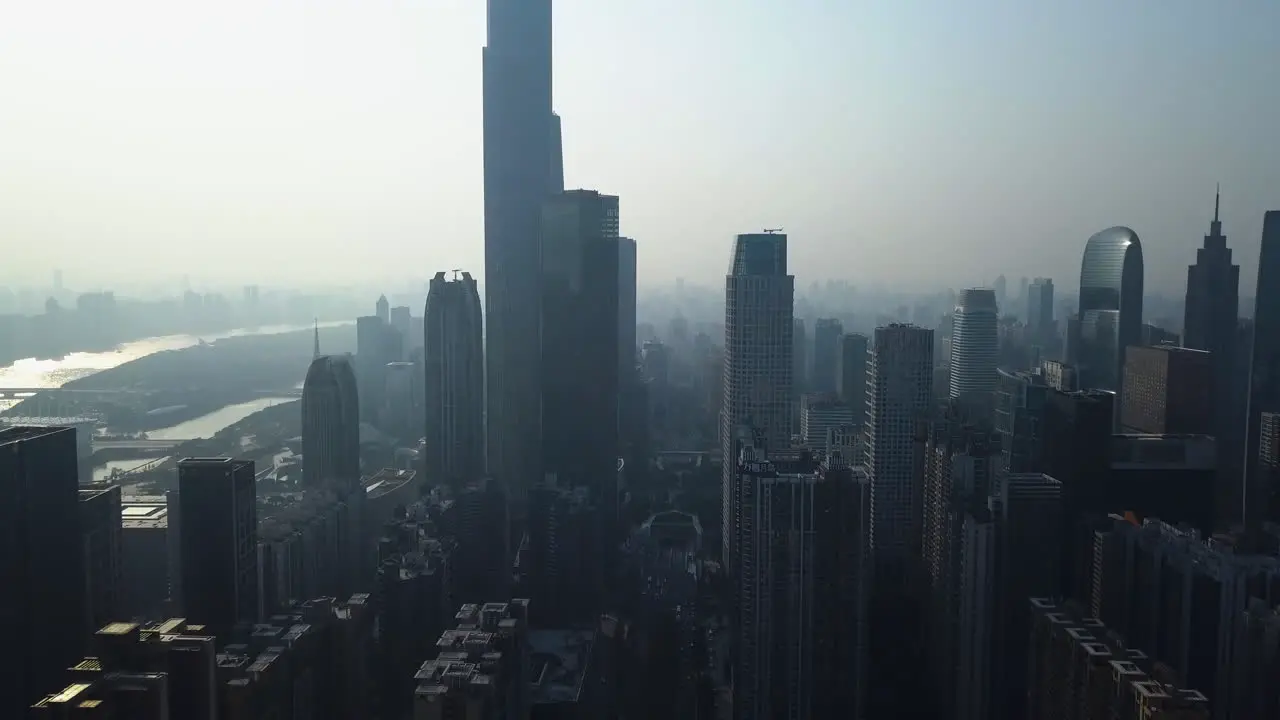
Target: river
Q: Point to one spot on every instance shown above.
(32, 373)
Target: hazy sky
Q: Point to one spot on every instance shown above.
(919, 143)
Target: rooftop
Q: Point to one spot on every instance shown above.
(560, 661)
(144, 512)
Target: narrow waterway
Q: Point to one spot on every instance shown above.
(208, 425)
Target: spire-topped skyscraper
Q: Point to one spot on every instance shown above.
(1212, 307)
(316, 352)
(522, 168)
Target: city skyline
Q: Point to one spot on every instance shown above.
(154, 178)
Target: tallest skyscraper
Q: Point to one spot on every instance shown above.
(522, 168)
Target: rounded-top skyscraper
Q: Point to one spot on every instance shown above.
(1110, 317)
(974, 345)
(330, 422)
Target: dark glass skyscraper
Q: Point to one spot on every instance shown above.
(454, 383)
(579, 340)
(1110, 306)
(1212, 309)
(41, 563)
(330, 423)
(218, 542)
(1264, 372)
(522, 168)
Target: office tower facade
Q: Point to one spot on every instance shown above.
(900, 393)
(800, 353)
(330, 423)
(453, 386)
(1110, 316)
(1027, 510)
(218, 542)
(801, 592)
(819, 414)
(1269, 463)
(382, 310)
(522, 168)
(579, 363)
(1168, 390)
(101, 534)
(401, 320)
(627, 348)
(373, 352)
(1264, 372)
(479, 524)
(758, 356)
(1040, 310)
(852, 381)
(1019, 420)
(41, 562)
(826, 350)
(974, 347)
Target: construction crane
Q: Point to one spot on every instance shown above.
(455, 272)
(771, 231)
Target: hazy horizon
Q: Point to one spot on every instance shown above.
(923, 144)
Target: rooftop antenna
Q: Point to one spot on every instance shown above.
(772, 231)
(317, 348)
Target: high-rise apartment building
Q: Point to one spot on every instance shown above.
(826, 352)
(758, 359)
(218, 542)
(330, 423)
(1078, 669)
(42, 570)
(851, 384)
(453, 387)
(523, 167)
(961, 460)
(1110, 317)
(481, 669)
(1040, 310)
(1157, 565)
(802, 587)
(1264, 372)
(1168, 390)
(974, 348)
(900, 393)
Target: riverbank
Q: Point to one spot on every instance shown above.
(168, 386)
(256, 436)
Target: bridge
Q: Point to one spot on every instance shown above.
(140, 444)
(14, 393)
